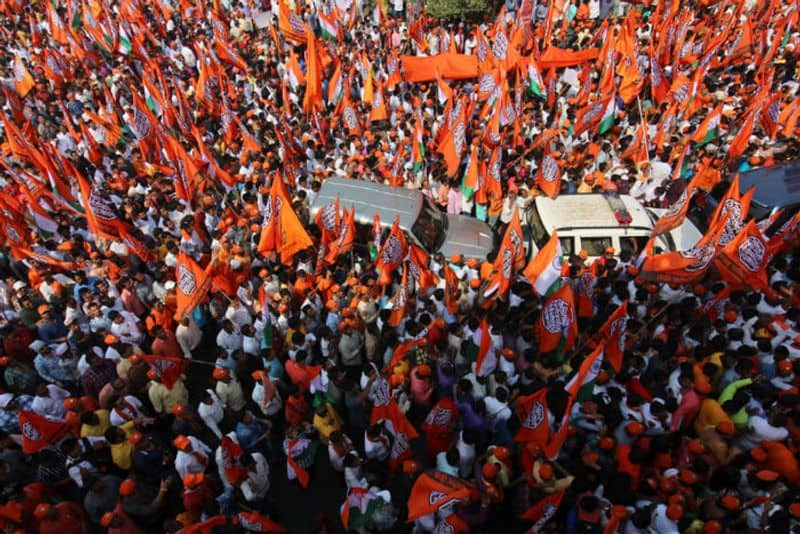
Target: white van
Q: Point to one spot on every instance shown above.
(587, 222)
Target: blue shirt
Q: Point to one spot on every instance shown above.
(52, 330)
(248, 434)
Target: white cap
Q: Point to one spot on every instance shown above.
(169, 284)
(61, 348)
(19, 284)
(37, 345)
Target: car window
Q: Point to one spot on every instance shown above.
(430, 227)
(595, 246)
(632, 244)
(538, 231)
(567, 245)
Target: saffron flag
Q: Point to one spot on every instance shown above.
(291, 25)
(676, 212)
(534, 419)
(255, 522)
(400, 300)
(708, 130)
(743, 261)
(191, 284)
(39, 432)
(487, 356)
(392, 252)
(434, 489)
(557, 325)
(591, 116)
(543, 511)
(454, 142)
(510, 256)
(291, 236)
(548, 176)
(451, 290)
(544, 269)
(23, 81)
(347, 234)
(169, 369)
(613, 331)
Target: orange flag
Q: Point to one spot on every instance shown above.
(191, 284)
(291, 25)
(742, 140)
(39, 432)
(451, 289)
(743, 261)
(614, 333)
(378, 110)
(676, 212)
(548, 177)
(543, 511)
(557, 324)
(291, 237)
(100, 215)
(347, 233)
(510, 256)
(168, 368)
(23, 81)
(534, 418)
(454, 143)
(312, 100)
(396, 178)
(432, 490)
(392, 252)
(400, 301)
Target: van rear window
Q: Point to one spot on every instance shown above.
(430, 227)
(538, 231)
(595, 246)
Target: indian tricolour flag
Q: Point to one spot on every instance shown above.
(544, 270)
(607, 121)
(294, 72)
(486, 360)
(360, 506)
(535, 81)
(581, 385)
(708, 130)
(329, 26)
(125, 44)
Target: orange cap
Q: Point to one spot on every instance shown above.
(767, 475)
(696, 447)
(674, 511)
(475, 283)
(730, 502)
(507, 353)
(794, 509)
(106, 520)
(258, 375)
(688, 477)
(410, 466)
(181, 442)
(784, 367)
(730, 316)
(726, 428)
(220, 373)
(134, 359)
(606, 443)
(4, 360)
(43, 308)
(634, 428)
(152, 374)
(501, 453)
(424, 370)
(42, 510)
(192, 480)
(712, 527)
(178, 409)
(70, 403)
(110, 339)
(127, 487)
(545, 472)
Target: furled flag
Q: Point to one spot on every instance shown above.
(191, 284)
(392, 252)
(557, 324)
(676, 212)
(347, 234)
(359, 507)
(736, 206)
(400, 300)
(544, 269)
(23, 81)
(613, 331)
(510, 256)
(376, 234)
(535, 82)
(486, 361)
(543, 511)
(39, 432)
(534, 423)
(300, 457)
(169, 369)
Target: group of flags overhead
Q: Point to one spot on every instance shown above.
(736, 247)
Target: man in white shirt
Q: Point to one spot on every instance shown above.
(188, 336)
(192, 457)
(229, 338)
(256, 485)
(49, 402)
(211, 412)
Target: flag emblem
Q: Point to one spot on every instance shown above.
(459, 138)
(487, 83)
(392, 250)
(751, 253)
(350, 119)
(30, 432)
(380, 393)
(549, 168)
(186, 280)
(500, 46)
(101, 208)
(329, 217)
(435, 496)
(12, 234)
(535, 417)
(703, 256)
(616, 330)
(141, 123)
(557, 316)
(677, 207)
(296, 23)
(508, 261)
(439, 417)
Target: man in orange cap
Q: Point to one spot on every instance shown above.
(192, 456)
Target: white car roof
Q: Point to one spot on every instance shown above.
(588, 211)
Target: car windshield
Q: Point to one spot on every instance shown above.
(538, 231)
(430, 227)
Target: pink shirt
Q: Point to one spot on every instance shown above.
(421, 390)
(454, 199)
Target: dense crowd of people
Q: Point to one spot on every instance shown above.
(185, 348)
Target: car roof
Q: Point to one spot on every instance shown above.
(370, 198)
(587, 211)
(776, 186)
